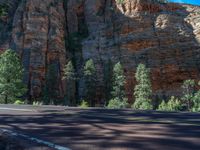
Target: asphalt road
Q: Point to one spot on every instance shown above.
(101, 129)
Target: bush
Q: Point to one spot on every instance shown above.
(19, 102)
(142, 104)
(117, 103)
(196, 102)
(173, 104)
(84, 104)
(163, 106)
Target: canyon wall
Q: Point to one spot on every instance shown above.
(45, 33)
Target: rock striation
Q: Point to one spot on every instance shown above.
(165, 37)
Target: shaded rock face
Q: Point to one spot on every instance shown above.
(38, 33)
(165, 37)
(38, 36)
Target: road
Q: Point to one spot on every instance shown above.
(101, 129)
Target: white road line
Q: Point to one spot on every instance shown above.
(33, 139)
(15, 109)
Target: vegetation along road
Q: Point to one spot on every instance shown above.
(95, 129)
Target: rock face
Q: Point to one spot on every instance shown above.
(165, 37)
(38, 35)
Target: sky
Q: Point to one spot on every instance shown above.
(194, 2)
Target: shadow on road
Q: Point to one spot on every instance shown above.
(110, 129)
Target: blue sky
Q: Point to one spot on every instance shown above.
(194, 2)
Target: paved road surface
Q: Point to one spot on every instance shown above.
(99, 129)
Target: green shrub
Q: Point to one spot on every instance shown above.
(163, 106)
(145, 105)
(173, 104)
(19, 102)
(84, 104)
(196, 102)
(117, 103)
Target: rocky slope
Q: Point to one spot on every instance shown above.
(166, 37)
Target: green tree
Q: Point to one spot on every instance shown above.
(70, 77)
(188, 93)
(90, 82)
(11, 75)
(119, 81)
(118, 90)
(142, 91)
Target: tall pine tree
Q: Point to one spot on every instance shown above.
(70, 77)
(90, 82)
(118, 81)
(11, 74)
(142, 91)
(118, 90)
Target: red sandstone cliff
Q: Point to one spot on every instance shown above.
(166, 37)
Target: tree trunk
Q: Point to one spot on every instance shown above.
(6, 99)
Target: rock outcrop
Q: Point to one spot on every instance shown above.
(38, 35)
(165, 37)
